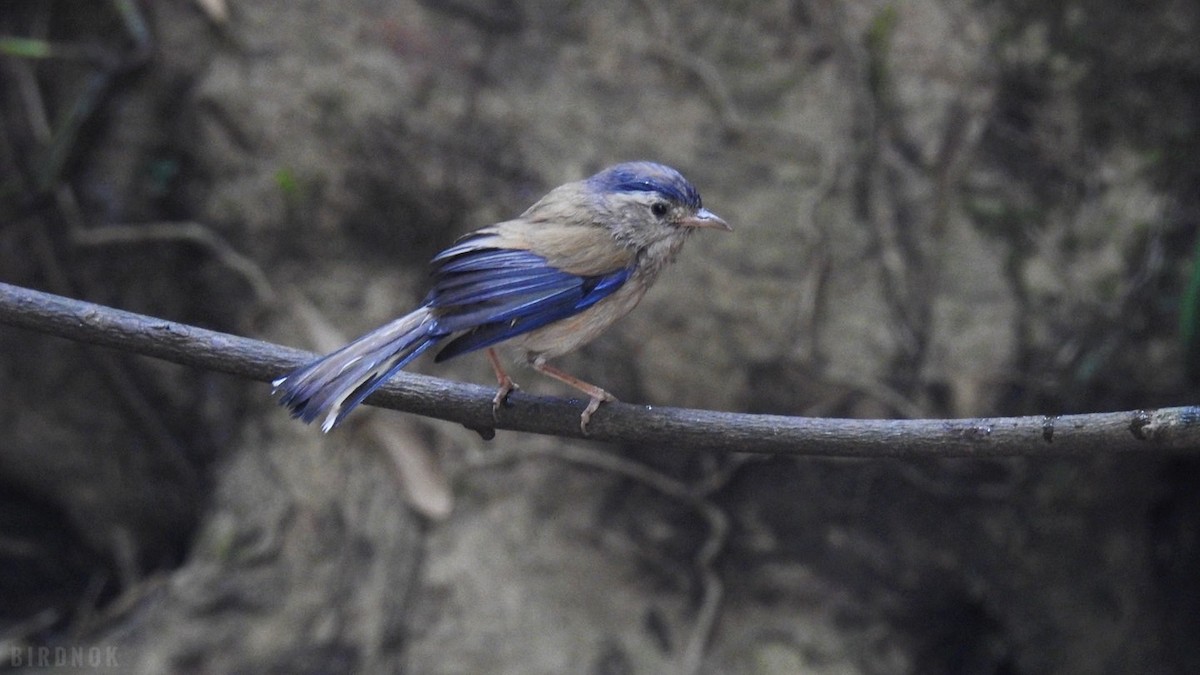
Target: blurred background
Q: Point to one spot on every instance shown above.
(941, 209)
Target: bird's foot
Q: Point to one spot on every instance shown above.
(507, 386)
(592, 406)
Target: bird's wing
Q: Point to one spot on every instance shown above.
(490, 293)
(579, 249)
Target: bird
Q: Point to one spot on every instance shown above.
(544, 283)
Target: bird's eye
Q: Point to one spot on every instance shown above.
(659, 209)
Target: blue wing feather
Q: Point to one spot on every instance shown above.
(482, 259)
(488, 286)
(490, 295)
(506, 309)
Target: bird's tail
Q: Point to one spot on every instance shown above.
(333, 385)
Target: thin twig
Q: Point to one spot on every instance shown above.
(114, 373)
(188, 232)
(1163, 430)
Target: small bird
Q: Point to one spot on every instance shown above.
(544, 283)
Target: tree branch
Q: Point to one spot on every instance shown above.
(1158, 431)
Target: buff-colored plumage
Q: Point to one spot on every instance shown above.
(544, 283)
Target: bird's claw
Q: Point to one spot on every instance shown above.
(507, 387)
(592, 406)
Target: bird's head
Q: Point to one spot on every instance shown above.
(646, 204)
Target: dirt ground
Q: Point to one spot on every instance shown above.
(939, 210)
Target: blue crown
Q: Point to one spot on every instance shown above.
(647, 177)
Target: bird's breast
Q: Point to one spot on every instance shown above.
(573, 332)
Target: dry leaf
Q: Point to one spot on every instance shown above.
(417, 470)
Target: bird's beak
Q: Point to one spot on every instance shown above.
(705, 218)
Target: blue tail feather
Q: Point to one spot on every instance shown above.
(333, 385)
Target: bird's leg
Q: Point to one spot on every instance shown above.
(597, 394)
(507, 386)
